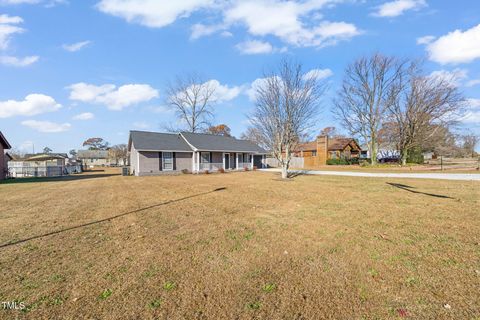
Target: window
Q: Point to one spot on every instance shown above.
(245, 157)
(205, 157)
(167, 158)
(314, 153)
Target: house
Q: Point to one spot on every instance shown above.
(4, 145)
(316, 153)
(93, 158)
(154, 153)
(38, 165)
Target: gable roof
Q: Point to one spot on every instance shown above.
(188, 142)
(341, 143)
(334, 144)
(4, 141)
(92, 154)
(156, 141)
(211, 142)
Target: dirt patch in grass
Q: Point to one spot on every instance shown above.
(240, 246)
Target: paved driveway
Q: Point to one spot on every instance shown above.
(442, 176)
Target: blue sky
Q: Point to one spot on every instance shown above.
(70, 70)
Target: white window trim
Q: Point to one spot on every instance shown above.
(163, 161)
(201, 157)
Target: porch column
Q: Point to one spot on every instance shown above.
(237, 161)
(251, 155)
(223, 160)
(264, 157)
(198, 161)
(193, 161)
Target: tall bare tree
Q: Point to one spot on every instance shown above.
(420, 105)
(192, 98)
(470, 141)
(286, 108)
(364, 97)
(117, 152)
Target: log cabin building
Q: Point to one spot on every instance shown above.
(316, 153)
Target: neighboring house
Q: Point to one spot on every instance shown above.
(4, 145)
(317, 153)
(38, 165)
(155, 153)
(93, 158)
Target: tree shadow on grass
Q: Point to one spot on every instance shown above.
(409, 189)
(12, 243)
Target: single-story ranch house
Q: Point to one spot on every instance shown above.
(155, 153)
(317, 153)
(4, 145)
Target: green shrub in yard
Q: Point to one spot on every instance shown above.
(342, 162)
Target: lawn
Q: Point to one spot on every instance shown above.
(240, 245)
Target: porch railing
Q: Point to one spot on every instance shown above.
(243, 165)
(211, 166)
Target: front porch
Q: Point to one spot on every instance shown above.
(229, 161)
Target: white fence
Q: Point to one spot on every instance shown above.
(295, 162)
(45, 171)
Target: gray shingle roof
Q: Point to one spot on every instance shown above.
(153, 141)
(92, 154)
(4, 141)
(210, 142)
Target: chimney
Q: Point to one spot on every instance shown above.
(322, 149)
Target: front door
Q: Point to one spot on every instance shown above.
(227, 161)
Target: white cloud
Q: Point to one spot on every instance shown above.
(152, 13)
(425, 39)
(46, 126)
(288, 21)
(76, 46)
(112, 97)
(255, 47)
(398, 7)
(472, 114)
(455, 77)
(141, 125)
(48, 4)
(33, 104)
(224, 92)
(473, 83)
(84, 116)
(201, 30)
(294, 22)
(8, 27)
(319, 74)
(18, 62)
(456, 47)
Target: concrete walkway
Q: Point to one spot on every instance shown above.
(441, 176)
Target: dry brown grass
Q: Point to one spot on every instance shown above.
(311, 248)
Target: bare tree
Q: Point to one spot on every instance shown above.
(470, 141)
(254, 135)
(117, 152)
(364, 97)
(192, 99)
(286, 108)
(420, 105)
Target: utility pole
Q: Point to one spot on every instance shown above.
(441, 163)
